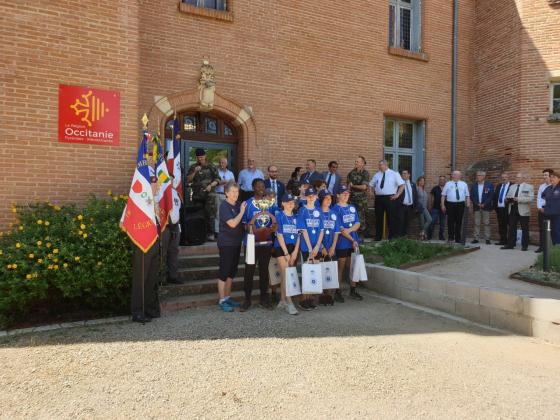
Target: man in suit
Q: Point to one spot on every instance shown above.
(332, 178)
(482, 195)
(409, 203)
(311, 175)
(274, 184)
(519, 198)
(500, 205)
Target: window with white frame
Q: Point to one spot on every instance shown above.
(555, 98)
(404, 146)
(405, 24)
(208, 4)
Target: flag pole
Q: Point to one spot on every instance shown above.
(145, 121)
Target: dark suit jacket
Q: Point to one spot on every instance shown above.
(487, 196)
(416, 205)
(281, 189)
(312, 178)
(337, 180)
(496, 195)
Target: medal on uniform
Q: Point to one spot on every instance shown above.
(313, 231)
(292, 237)
(350, 225)
(328, 232)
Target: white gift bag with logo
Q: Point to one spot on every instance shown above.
(250, 250)
(292, 282)
(358, 268)
(311, 279)
(274, 272)
(329, 271)
(519, 237)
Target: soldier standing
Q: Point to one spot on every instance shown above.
(204, 177)
(358, 180)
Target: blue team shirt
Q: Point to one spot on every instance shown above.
(250, 212)
(287, 226)
(331, 227)
(309, 220)
(348, 217)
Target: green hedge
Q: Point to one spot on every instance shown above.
(57, 259)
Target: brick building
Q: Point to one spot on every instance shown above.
(294, 80)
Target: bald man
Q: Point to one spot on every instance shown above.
(454, 198)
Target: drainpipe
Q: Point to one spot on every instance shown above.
(454, 85)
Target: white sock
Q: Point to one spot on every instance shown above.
(223, 300)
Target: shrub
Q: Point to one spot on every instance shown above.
(401, 251)
(64, 258)
(554, 259)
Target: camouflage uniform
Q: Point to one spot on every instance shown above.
(203, 178)
(359, 198)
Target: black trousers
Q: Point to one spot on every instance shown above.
(454, 220)
(170, 249)
(262, 258)
(145, 270)
(503, 222)
(384, 205)
(514, 220)
(408, 213)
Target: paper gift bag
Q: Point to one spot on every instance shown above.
(358, 268)
(274, 272)
(292, 282)
(250, 250)
(311, 279)
(329, 271)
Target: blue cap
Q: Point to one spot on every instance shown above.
(310, 191)
(342, 189)
(268, 191)
(200, 152)
(324, 193)
(287, 198)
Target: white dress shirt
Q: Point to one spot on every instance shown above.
(274, 185)
(502, 202)
(407, 201)
(246, 177)
(449, 191)
(330, 182)
(392, 182)
(541, 201)
(227, 176)
(480, 191)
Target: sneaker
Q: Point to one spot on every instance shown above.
(291, 309)
(232, 302)
(474, 241)
(355, 295)
(338, 297)
(245, 306)
(304, 304)
(281, 305)
(224, 306)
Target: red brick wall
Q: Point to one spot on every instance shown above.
(318, 78)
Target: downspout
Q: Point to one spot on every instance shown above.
(454, 85)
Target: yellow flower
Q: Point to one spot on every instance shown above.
(31, 256)
(65, 265)
(48, 244)
(9, 266)
(39, 222)
(55, 260)
(76, 258)
(55, 267)
(29, 277)
(1, 252)
(109, 192)
(115, 198)
(47, 223)
(14, 266)
(82, 226)
(49, 255)
(57, 208)
(99, 263)
(85, 235)
(39, 243)
(35, 275)
(18, 245)
(14, 210)
(55, 251)
(80, 217)
(40, 261)
(20, 228)
(50, 267)
(80, 232)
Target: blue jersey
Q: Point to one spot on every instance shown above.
(331, 227)
(348, 217)
(250, 212)
(287, 227)
(309, 220)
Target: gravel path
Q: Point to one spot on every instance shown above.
(370, 359)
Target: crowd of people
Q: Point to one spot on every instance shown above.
(322, 216)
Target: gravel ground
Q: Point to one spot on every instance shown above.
(370, 359)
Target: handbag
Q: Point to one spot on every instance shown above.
(292, 282)
(358, 267)
(274, 273)
(250, 250)
(329, 271)
(311, 279)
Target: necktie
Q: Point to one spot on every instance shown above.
(274, 186)
(329, 182)
(502, 193)
(517, 191)
(457, 196)
(382, 181)
(407, 192)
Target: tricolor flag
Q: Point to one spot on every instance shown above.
(164, 196)
(139, 219)
(174, 159)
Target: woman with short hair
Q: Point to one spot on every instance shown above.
(424, 217)
(230, 235)
(293, 184)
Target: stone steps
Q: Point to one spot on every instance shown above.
(201, 287)
(204, 273)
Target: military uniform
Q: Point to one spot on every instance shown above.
(359, 198)
(203, 178)
(145, 282)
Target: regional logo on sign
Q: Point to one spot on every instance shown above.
(88, 115)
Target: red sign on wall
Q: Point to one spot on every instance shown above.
(87, 115)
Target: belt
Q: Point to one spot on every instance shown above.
(217, 192)
(384, 195)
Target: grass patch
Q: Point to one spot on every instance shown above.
(402, 251)
(536, 274)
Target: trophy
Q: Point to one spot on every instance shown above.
(264, 219)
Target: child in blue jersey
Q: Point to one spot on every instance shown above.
(348, 239)
(286, 246)
(331, 231)
(310, 224)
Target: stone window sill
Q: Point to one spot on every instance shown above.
(415, 55)
(210, 13)
(554, 118)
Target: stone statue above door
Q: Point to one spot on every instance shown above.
(206, 86)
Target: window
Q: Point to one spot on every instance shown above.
(208, 4)
(404, 146)
(555, 104)
(404, 24)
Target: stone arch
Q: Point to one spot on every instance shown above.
(241, 117)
